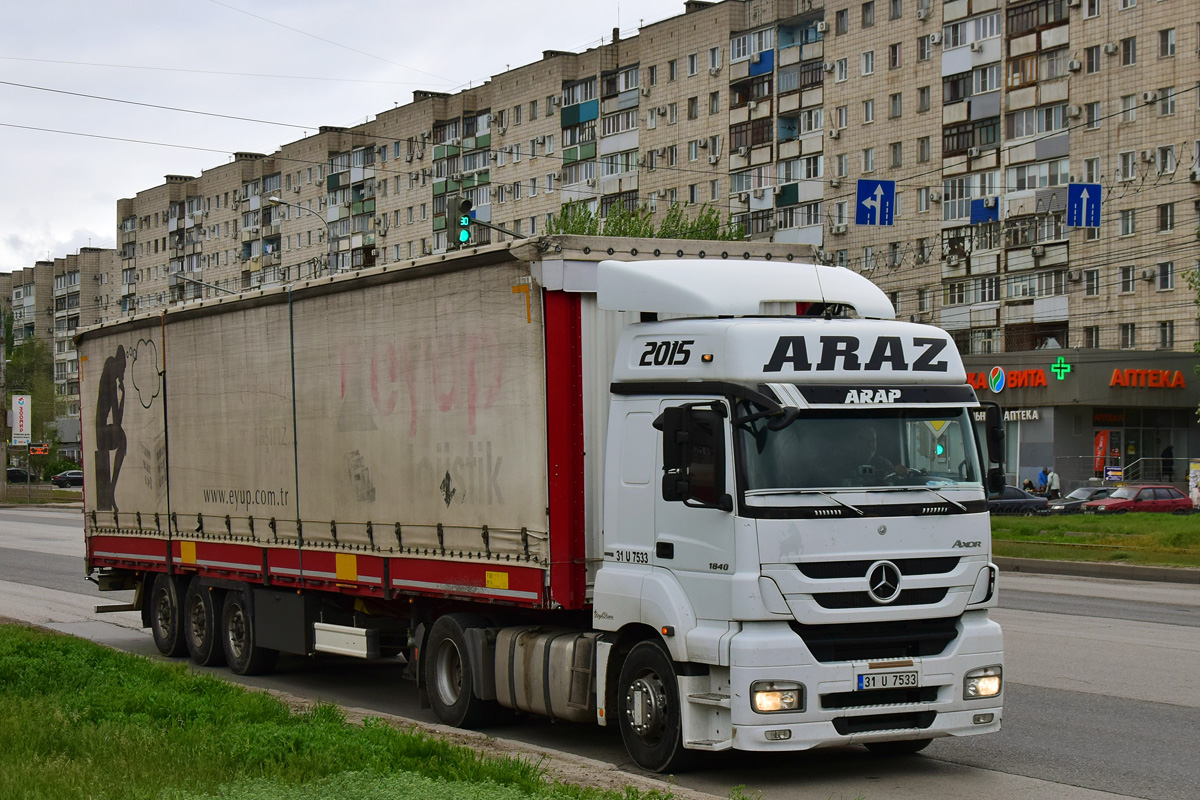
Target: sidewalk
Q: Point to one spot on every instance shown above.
(1091, 569)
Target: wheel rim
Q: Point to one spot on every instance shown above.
(162, 612)
(197, 621)
(237, 633)
(449, 672)
(647, 708)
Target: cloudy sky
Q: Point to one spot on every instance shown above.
(292, 66)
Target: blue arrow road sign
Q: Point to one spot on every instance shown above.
(874, 202)
(1083, 205)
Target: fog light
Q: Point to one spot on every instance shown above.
(983, 682)
(982, 719)
(771, 696)
(778, 736)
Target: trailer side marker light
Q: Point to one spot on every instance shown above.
(668, 630)
(707, 358)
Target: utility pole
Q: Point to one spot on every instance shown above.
(3, 427)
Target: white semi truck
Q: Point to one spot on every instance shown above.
(718, 502)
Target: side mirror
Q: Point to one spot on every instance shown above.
(995, 433)
(694, 456)
(995, 481)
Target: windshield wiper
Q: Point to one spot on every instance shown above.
(766, 492)
(890, 489)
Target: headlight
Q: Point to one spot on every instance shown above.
(983, 682)
(771, 696)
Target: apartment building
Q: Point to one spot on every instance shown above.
(982, 111)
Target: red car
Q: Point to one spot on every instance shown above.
(1160, 499)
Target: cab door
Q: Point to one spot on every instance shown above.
(693, 512)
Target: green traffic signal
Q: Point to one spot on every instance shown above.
(461, 207)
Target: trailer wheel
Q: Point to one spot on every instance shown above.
(244, 654)
(447, 665)
(166, 620)
(649, 712)
(200, 609)
(905, 748)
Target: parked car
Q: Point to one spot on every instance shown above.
(1017, 501)
(71, 477)
(17, 475)
(1156, 499)
(1073, 503)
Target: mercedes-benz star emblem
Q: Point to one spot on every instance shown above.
(883, 582)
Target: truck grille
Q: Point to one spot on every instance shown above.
(881, 697)
(908, 597)
(825, 570)
(868, 641)
(884, 722)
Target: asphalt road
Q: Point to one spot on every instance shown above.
(1100, 695)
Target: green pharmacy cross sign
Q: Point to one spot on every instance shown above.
(1060, 368)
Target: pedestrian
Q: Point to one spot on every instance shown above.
(1052, 485)
(1168, 463)
(1042, 480)
(1028, 486)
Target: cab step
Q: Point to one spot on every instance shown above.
(708, 744)
(709, 699)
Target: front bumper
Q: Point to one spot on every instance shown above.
(835, 714)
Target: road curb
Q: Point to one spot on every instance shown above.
(1092, 569)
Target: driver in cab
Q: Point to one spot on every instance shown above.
(870, 467)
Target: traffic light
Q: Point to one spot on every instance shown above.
(458, 208)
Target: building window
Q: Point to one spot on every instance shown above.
(868, 14)
(1129, 51)
(894, 56)
(1091, 337)
(868, 63)
(1165, 276)
(1127, 222)
(693, 64)
(1166, 101)
(923, 149)
(923, 98)
(1127, 165)
(841, 22)
(1166, 43)
(714, 58)
(1166, 217)
(1128, 335)
(1128, 108)
(896, 9)
(714, 102)
(868, 111)
(897, 154)
(924, 48)
(1128, 281)
(672, 69)
(693, 108)
(1091, 283)
(1092, 114)
(1092, 59)
(868, 159)
(840, 70)
(895, 105)
(1091, 8)
(1166, 335)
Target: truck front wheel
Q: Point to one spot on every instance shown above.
(200, 609)
(244, 654)
(448, 679)
(649, 711)
(166, 619)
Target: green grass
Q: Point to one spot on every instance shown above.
(81, 721)
(1146, 539)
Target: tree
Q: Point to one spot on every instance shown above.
(576, 219)
(31, 371)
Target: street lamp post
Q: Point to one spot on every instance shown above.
(276, 200)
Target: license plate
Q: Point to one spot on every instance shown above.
(887, 680)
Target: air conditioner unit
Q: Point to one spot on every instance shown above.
(1037, 251)
(540, 140)
(503, 129)
(591, 181)
(661, 152)
(374, 251)
(554, 101)
(837, 230)
(828, 66)
(1110, 49)
(935, 38)
(835, 133)
(1073, 3)
(951, 261)
(972, 152)
(1148, 156)
(702, 144)
(296, 189)
(822, 27)
(714, 158)
(661, 193)
(753, 104)
(922, 14)
(1074, 111)
(756, 58)
(457, 177)
(758, 193)
(835, 183)
(714, 70)
(645, 91)
(1074, 66)
(989, 202)
(661, 110)
(742, 151)
(1149, 97)
(1147, 275)
(1194, 176)
(935, 196)
(1074, 274)
(496, 156)
(744, 197)
(976, 47)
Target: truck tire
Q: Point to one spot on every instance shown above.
(656, 740)
(448, 681)
(166, 617)
(244, 654)
(201, 607)
(905, 748)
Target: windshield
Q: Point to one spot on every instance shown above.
(859, 448)
(1080, 494)
(1125, 493)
